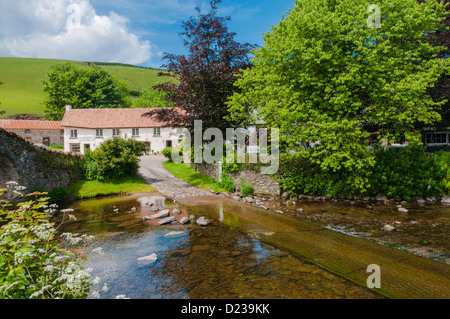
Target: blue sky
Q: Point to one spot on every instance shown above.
(128, 31)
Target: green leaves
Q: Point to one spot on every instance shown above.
(332, 84)
(68, 84)
(114, 159)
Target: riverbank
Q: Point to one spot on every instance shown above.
(84, 189)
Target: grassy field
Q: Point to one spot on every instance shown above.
(22, 91)
(90, 189)
(190, 176)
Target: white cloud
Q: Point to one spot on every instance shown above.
(68, 29)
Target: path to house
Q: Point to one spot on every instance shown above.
(154, 173)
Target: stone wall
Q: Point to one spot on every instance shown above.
(262, 184)
(37, 136)
(36, 167)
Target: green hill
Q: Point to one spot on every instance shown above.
(22, 91)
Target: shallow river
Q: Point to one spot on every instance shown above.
(245, 253)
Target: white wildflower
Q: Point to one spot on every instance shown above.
(68, 210)
(105, 288)
(99, 251)
(96, 280)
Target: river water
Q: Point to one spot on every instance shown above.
(245, 253)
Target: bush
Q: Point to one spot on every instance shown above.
(115, 158)
(246, 189)
(299, 176)
(227, 183)
(407, 172)
(443, 158)
(31, 264)
(167, 152)
(57, 195)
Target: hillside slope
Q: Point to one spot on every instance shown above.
(22, 91)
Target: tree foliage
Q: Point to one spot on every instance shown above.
(114, 159)
(441, 90)
(68, 84)
(206, 76)
(332, 84)
(153, 97)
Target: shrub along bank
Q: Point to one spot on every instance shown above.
(397, 173)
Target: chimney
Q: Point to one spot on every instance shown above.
(68, 107)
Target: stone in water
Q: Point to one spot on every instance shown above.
(151, 258)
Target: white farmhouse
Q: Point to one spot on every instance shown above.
(87, 129)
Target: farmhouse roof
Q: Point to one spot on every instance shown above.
(30, 125)
(112, 118)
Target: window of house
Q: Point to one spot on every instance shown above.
(75, 148)
(61, 140)
(437, 138)
(73, 133)
(27, 131)
(135, 132)
(116, 132)
(168, 143)
(46, 141)
(61, 132)
(99, 133)
(157, 131)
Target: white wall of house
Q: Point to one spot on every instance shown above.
(88, 138)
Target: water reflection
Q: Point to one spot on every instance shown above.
(213, 262)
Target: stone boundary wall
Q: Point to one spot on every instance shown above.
(36, 136)
(262, 184)
(36, 167)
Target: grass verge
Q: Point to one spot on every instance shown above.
(90, 189)
(193, 178)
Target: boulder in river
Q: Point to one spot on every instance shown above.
(150, 258)
(184, 221)
(168, 220)
(388, 228)
(202, 221)
(402, 210)
(175, 233)
(162, 214)
(176, 211)
(445, 200)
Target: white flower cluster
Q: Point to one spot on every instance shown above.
(75, 240)
(44, 231)
(14, 189)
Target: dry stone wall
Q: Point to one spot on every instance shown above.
(262, 184)
(36, 167)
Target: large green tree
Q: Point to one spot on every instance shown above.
(333, 84)
(69, 84)
(153, 97)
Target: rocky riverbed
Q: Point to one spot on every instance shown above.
(421, 227)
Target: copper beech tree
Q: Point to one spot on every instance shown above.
(204, 79)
